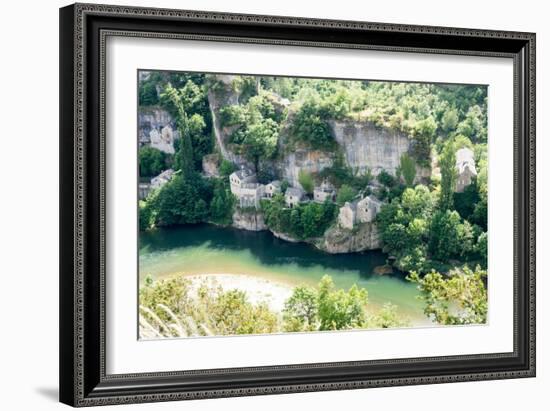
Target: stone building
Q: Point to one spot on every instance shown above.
(359, 212)
(465, 167)
(324, 192)
(143, 190)
(162, 178)
(250, 195)
(272, 188)
(240, 177)
(368, 208)
(293, 196)
(347, 215)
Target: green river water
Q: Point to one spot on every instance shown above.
(207, 249)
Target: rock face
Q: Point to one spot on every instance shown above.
(339, 240)
(224, 96)
(311, 161)
(157, 128)
(366, 146)
(249, 220)
(285, 237)
(210, 165)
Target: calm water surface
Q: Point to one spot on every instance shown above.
(207, 249)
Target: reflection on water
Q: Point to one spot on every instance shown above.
(203, 249)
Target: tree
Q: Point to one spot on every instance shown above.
(181, 201)
(459, 299)
(181, 101)
(201, 142)
(222, 204)
(306, 181)
(450, 236)
(226, 168)
(449, 174)
(345, 194)
(424, 133)
(474, 125)
(339, 309)
(310, 126)
(325, 308)
(301, 310)
(151, 161)
(387, 317)
(449, 121)
(260, 140)
(148, 94)
(386, 178)
(407, 167)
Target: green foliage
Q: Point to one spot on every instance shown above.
(465, 202)
(189, 105)
(306, 181)
(303, 221)
(407, 168)
(181, 101)
(339, 309)
(201, 142)
(226, 168)
(310, 126)
(386, 178)
(257, 128)
(151, 161)
(181, 201)
(474, 125)
(175, 307)
(386, 317)
(449, 120)
(146, 220)
(301, 310)
(168, 308)
(325, 308)
(450, 236)
(148, 95)
(345, 193)
(245, 86)
(449, 174)
(459, 299)
(222, 204)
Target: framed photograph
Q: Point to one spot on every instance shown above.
(260, 204)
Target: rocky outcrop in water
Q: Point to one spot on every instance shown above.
(339, 240)
(249, 220)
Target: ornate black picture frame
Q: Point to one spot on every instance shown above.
(83, 30)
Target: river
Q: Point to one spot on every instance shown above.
(207, 249)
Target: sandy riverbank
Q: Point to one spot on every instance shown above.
(257, 289)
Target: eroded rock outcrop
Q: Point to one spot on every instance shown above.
(249, 220)
(338, 240)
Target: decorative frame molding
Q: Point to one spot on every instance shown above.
(83, 32)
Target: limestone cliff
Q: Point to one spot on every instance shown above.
(311, 161)
(224, 95)
(249, 220)
(366, 146)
